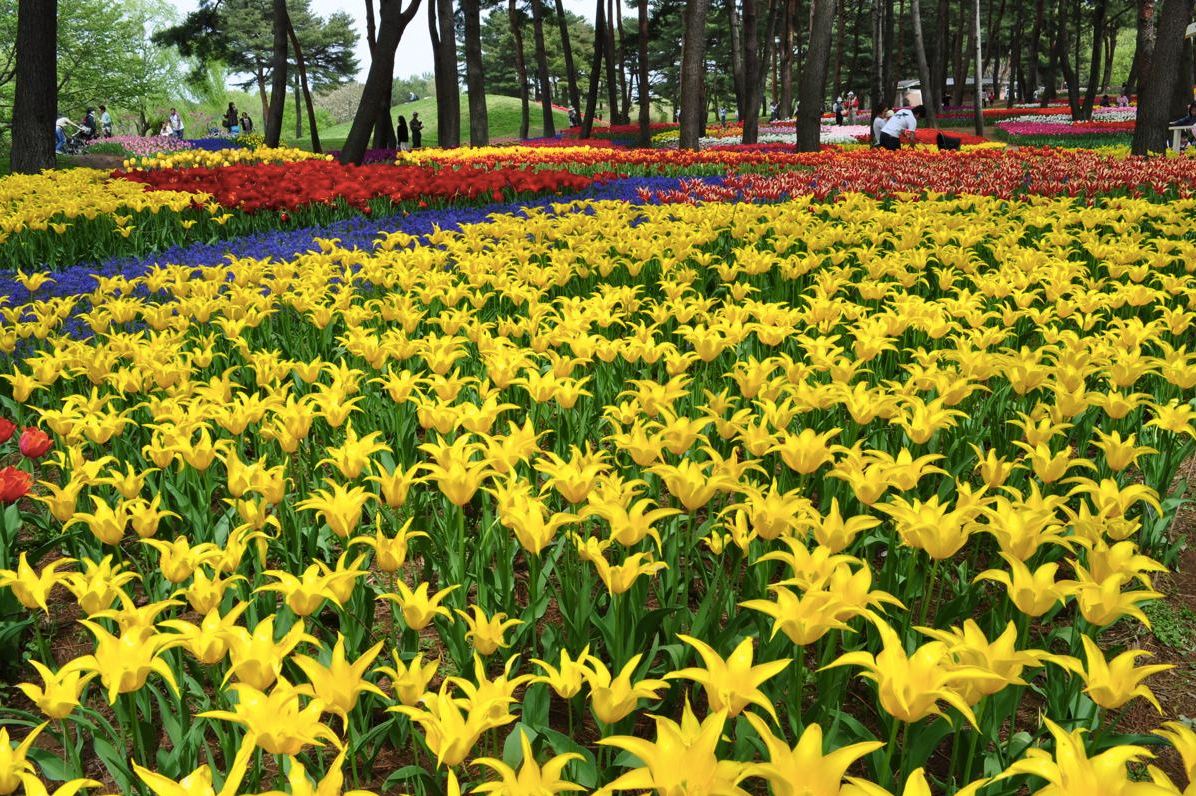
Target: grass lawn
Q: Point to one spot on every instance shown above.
(503, 113)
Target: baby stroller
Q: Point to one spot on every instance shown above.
(76, 143)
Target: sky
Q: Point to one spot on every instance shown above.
(414, 56)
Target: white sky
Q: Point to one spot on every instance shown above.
(415, 50)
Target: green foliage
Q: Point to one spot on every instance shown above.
(1171, 625)
(105, 56)
(239, 34)
(498, 47)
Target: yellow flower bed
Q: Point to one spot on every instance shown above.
(683, 499)
(191, 158)
(53, 199)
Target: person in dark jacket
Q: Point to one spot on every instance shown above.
(246, 122)
(1186, 137)
(401, 135)
(417, 131)
(232, 119)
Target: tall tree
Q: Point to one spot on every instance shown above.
(475, 74)
(442, 29)
(786, 59)
(36, 99)
(567, 52)
(1143, 44)
(929, 90)
(645, 96)
(978, 102)
(1062, 56)
(1099, 10)
(587, 121)
(302, 79)
(608, 47)
(880, 56)
(542, 67)
(812, 88)
(738, 78)
(1158, 83)
(693, 72)
(516, 22)
(278, 66)
(393, 21)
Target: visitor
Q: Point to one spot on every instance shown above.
(772, 116)
(246, 122)
(87, 125)
(574, 118)
(176, 124)
(232, 120)
(722, 116)
(901, 122)
(852, 105)
(60, 128)
(1105, 102)
(883, 114)
(105, 122)
(417, 131)
(1188, 136)
(838, 110)
(401, 134)
(1123, 101)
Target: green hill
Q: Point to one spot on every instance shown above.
(503, 112)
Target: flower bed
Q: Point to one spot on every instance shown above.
(858, 488)
(295, 185)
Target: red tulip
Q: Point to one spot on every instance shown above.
(34, 443)
(14, 484)
(7, 428)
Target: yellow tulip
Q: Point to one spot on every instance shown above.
(614, 698)
(418, 608)
(804, 770)
(487, 632)
(277, 722)
(32, 588)
(682, 759)
(734, 683)
(339, 683)
(13, 761)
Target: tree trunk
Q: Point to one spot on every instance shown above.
(621, 60)
(301, 65)
(261, 94)
(441, 27)
(938, 67)
(520, 69)
(1099, 10)
(475, 74)
(1110, 49)
(786, 59)
(965, 44)
(298, 107)
(394, 19)
(1063, 54)
(1032, 57)
(1143, 45)
(840, 40)
(1015, 53)
(567, 52)
(542, 68)
(693, 72)
(880, 53)
(852, 69)
(978, 105)
(645, 95)
(587, 123)
(36, 99)
(752, 72)
(1166, 68)
(928, 91)
(608, 48)
(812, 87)
(278, 66)
(738, 68)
